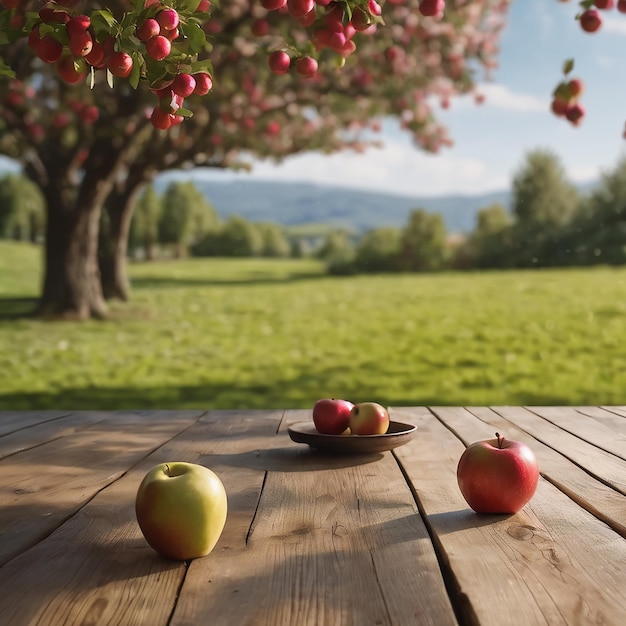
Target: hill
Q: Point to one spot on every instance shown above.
(305, 203)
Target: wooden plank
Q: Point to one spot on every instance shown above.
(618, 410)
(551, 563)
(572, 421)
(43, 486)
(43, 432)
(97, 568)
(599, 499)
(11, 421)
(604, 466)
(605, 417)
(336, 540)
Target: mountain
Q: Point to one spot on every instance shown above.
(294, 204)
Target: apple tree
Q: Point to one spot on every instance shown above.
(97, 99)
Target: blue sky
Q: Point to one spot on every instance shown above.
(492, 139)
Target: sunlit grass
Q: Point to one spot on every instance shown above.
(269, 333)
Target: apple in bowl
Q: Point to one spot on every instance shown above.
(369, 418)
(331, 416)
(497, 475)
(181, 509)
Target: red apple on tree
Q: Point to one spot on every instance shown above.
(158, 47)
(148, 29)
(498, 475)
(120, 64)
(331, 416)
(181, 509)
(369, 418)
(279, 62)
(204, 83)
(590, 20)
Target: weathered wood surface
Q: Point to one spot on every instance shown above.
(311, 538)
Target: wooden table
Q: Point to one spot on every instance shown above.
(312, 538)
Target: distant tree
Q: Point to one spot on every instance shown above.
(236, 237)
(22, 209)
(275, 242)
(296, 248)
(379, 250)
(542, 195)
(423, 242)
(598, 233)
(144, 229)
(489, 244)
(543, 203)
(203, 218)
(337, 250)
(186, 216)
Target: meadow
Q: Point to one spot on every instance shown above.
(262, 333)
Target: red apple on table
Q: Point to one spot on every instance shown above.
(331, 416)
(181, 509)
(498, 475)
(369, 418)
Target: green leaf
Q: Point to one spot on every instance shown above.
(187, 5)
(568, 66)
(135, 74)
(103, 17)
(184, 112)
(5, 70)
(196, 37)
(204, 65)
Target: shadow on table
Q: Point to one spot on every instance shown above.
(292, 459)
(462, 519)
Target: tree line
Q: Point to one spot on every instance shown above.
(549, 224)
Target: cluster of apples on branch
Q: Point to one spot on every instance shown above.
(167, 43)
(566, 96)
(152, 42)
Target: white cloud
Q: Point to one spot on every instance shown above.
(398, 168)
(613, 25)
(502, 97)
(583, 173)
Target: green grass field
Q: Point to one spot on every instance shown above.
(279, 333)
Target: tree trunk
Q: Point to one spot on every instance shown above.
(113, 251)
(71, 287)
(114, 242)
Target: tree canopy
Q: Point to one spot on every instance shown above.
(96, 99)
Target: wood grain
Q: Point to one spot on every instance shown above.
(599, 499)
(96, 568)
(43, 432)
(608, 418)
(335, 540)
(604, 466)
(572, 421)
(10, 421)
(43, 486)
(312, 539)
(526, 565)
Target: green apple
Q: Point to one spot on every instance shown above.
(369, 418)
(181, 509)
